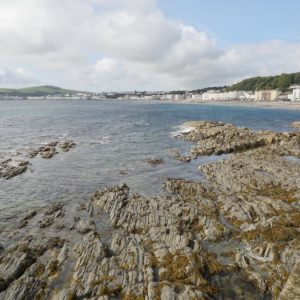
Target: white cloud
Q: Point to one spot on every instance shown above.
(121, 45)
(15, 76)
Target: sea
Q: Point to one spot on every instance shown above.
(114, 139)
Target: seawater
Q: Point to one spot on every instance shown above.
(114, 138)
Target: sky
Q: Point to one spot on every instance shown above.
(122, 45)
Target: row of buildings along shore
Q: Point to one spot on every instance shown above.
(210, 95)
(217, 95)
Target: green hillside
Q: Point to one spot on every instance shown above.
(281, 82)
(35, 91)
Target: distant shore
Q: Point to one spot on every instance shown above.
(243, 103)
(256, 104)
(262, 104)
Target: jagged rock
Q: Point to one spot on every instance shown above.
(47, 152)
(27, 216)
(243, 220)
(32, 153)
(87, 207)
(13, 266)
(291, 289)
(84, 226)
(219, 138)
(10, 169)
(67, 145)
(53, 208)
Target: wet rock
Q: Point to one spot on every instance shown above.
(88, 207)
(85, 226)
(32, 153)
(123, 173)
(46, 222)
(53, 208)
(47, 152)
(154, 161)
(52, 144)
(291, 289)
(67, 145)
(10, 168)
(29, 214)
(176, 155)
(13, 266)
(23, 163)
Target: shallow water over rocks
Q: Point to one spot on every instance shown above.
(114, 139)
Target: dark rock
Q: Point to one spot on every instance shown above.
(154, 161)
(67, 145)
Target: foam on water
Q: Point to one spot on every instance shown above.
(181, 130)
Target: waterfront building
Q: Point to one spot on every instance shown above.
(223, 96)
(196, 97)
(296, 93)
(266, 95)
(179, 97)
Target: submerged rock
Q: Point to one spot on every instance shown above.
(177, 155)
(67, 145)
(154, 161)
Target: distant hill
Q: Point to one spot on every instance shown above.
(36, 91)
(281, 82)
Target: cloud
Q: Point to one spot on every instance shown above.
(12, 77)
(123, 45)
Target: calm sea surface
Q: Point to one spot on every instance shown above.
(113, 140)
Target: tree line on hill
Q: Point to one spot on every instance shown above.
(281, 82)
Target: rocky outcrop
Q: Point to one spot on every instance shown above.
(220, 138)
(67, 145)
(291, 289)
(10, 168)
(257, 196)
(234, 235)
(50, 149)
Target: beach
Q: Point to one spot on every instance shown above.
(242, 103)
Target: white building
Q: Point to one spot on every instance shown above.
(233, 95)
(296, 93)
(196, 97)
(179, 97)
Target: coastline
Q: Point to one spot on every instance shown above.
(235, 233)
(257, 104)
(235, 103)
(254, 104)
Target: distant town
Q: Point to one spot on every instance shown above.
(209, 95)
(284, 87)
